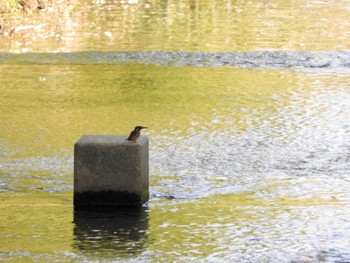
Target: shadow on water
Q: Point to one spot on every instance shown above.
(119, 233)
(254, 59)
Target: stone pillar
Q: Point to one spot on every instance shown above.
(110, 171)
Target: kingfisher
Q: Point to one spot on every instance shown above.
(135, 134)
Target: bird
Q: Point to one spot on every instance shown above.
(135, 134)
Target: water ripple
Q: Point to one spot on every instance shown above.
(257, 59)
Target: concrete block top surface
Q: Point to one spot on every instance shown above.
(110, 139)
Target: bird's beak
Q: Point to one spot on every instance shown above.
(144, 127)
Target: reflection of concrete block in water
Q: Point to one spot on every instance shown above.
(112, 231)
(110, 171)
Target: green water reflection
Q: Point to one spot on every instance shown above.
(246, 165)
(198, 25)
(35, 226)
(46, 108)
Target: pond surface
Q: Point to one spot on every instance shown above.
(248, 104)
(186, 25)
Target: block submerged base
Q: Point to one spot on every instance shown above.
(109, 198)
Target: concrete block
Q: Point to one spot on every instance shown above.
(110, 171)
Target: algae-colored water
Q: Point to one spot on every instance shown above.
(248, 163)
(195, 25)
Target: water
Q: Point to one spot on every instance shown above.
(196, 25)
(249, 151)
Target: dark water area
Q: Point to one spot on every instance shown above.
(117, 233)
(248, 109)
(255, 59)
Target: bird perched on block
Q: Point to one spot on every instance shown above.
(135, 134)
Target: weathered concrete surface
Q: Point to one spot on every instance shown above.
(110, 171)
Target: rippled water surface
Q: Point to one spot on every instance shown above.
(187, 25)
(249, 151)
